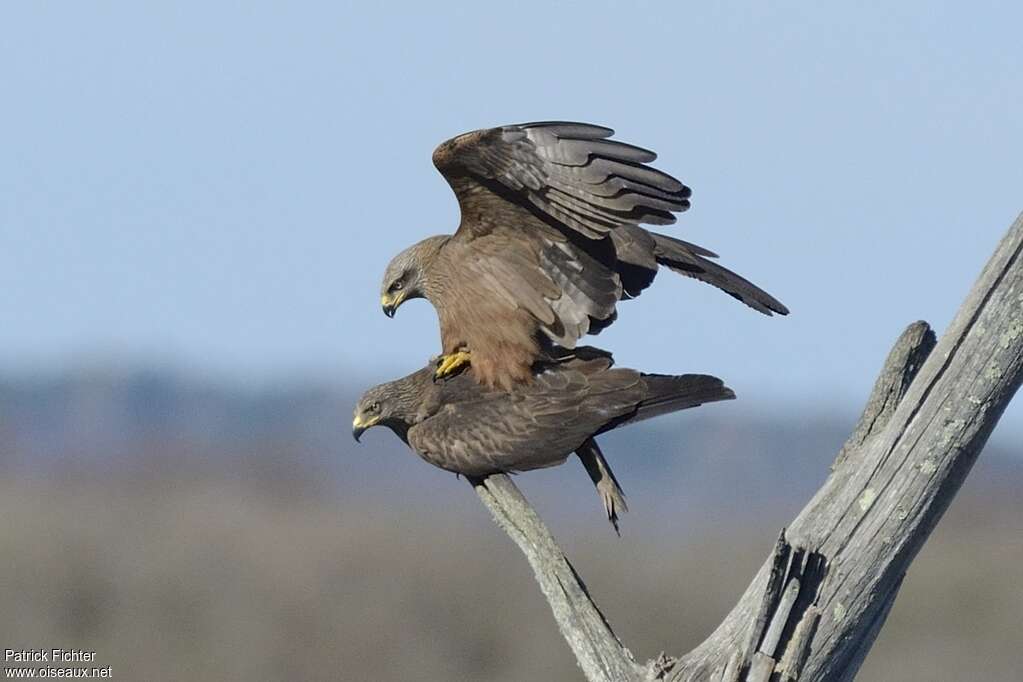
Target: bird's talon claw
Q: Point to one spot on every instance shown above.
(450, 364)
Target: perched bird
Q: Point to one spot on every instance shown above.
(470, 429)
(549, 242)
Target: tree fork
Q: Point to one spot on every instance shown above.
(815, 607)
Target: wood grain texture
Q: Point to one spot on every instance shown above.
(598, 651)
(815, 607)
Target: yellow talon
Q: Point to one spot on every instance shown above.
(450, 364)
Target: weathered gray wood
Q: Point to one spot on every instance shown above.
(598, 651)
(898, 473)
(925, 423)
(900, 368)
(771, 594)
(787, 615)
(781, 616)
(791, 665)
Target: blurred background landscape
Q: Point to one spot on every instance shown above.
(199, 200)
(188, 530)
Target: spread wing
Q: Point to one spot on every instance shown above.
(575, 199)
(530, 428)
(568, 172)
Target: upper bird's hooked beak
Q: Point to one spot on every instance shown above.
(359, 425)
(390, 303)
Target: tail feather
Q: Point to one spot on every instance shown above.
(689, 260)
(666, 393)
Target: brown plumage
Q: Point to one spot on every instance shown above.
(464, 427)
(549, 242)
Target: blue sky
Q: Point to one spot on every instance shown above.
(218, 187)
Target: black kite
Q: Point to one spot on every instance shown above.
(470, 429)
(549, 242)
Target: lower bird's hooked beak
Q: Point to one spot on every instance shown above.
(389, 310)
(359, 426)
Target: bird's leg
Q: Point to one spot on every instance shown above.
(610, 492)
(450, 364)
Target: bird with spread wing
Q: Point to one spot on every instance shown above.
(549, 242)
(465, 427)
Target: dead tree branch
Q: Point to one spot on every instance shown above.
(815, 607)
(600, 654)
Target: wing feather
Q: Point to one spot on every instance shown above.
(500, 431)
(569, 172)
(562, 286)
(565, 203)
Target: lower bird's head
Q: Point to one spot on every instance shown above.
(406, 274)
(393, 404)
(369, 412)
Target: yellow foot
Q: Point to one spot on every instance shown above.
(448, 365)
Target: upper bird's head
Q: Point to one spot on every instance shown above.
(393, 404)
(406, 274)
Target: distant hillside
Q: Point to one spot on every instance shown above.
(158, 425)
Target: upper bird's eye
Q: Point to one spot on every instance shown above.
(397, 286)
(374, 407)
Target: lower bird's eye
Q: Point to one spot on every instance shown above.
(397, 286)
